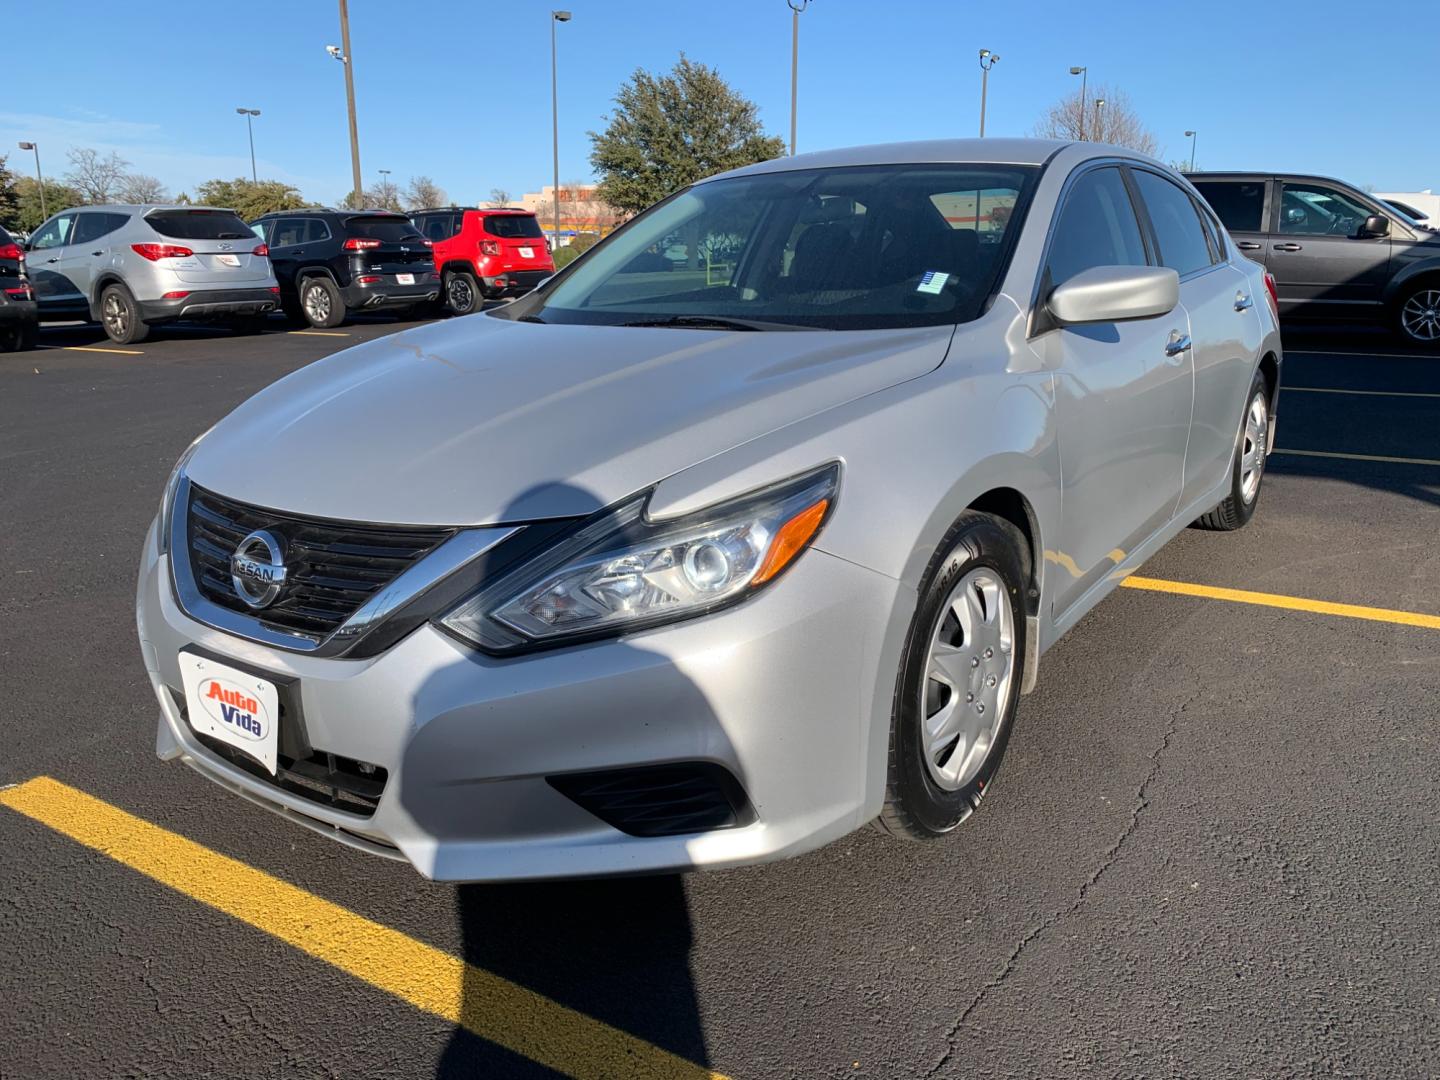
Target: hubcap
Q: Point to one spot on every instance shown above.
(1252, 447)
(968, 676)
(117, 319)
(317, 303)
(1421, 315)
(461, 295)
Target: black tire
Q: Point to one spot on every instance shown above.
(1415, 318)
(916, 806)
(1236, 510)
(19, 337)
(250, 324)
(462, 291)
(321, 302)
(120, 316)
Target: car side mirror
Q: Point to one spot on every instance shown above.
(1105, 294)
(1294, 216)
(1376, 225)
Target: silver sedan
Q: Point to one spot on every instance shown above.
(746, 529)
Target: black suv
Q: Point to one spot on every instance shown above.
(18, 318)
(331, 262)
(1335, 252)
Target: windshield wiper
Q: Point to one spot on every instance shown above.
(715, 322)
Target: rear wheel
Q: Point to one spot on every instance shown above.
(19, 337)
(1417, 315)
(959, 681)
(1247, 469)
(462, 293)
(120, 316)
(321, 302)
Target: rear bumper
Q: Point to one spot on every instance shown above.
(211, 304)
(388, 295)
(514, 282)
(19, 311)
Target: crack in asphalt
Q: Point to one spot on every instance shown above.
(1142, 802)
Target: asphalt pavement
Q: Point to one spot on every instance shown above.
(1212, 849)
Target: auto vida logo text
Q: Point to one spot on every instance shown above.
(234, 708)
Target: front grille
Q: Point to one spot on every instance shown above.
(660, 800)
(332, 567)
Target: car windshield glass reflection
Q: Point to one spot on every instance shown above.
(852, 248)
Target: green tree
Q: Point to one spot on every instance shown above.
(248, 198)
(9, 197)
(670, 130)
(58, 197)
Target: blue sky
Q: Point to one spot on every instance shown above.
(460, 90)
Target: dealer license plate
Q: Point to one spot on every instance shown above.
(233, 706)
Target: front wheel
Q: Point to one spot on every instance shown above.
(959, 681)
(120, 316)
(1247, 468)
(1417, 316)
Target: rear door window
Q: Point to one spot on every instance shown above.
(94, 225)
(389, 230)
(198, 224)
(1183, 246)
(1240, 204)
(1097, 227)
(513, 226)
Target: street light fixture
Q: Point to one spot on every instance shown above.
(39, 179)
(249, 124)
(1191, 136)
(342, 53)
(1084, 73)
(555, 17)
(987, 61)
(796, 7)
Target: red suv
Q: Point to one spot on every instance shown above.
(484, 254)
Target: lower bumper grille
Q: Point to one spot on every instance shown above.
(660, 800)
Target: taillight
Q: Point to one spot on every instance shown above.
(23, 292)
(12, 251)
(154, 252)
(263, 250)
(368, 280)
(1274, 296)
(489, 247)
(360, 243)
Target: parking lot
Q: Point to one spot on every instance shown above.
(1211, 850)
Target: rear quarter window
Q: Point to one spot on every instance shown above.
(513, 226)
(198, 225)
(1239, 204)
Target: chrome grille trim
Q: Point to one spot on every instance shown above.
(425, 572)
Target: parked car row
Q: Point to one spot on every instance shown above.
(134, 267)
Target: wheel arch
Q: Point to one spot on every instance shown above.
(1427, 270)
(1270, 369)
(103, 282)
(451, 266)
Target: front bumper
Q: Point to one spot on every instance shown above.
(211, 304)
(777, 691)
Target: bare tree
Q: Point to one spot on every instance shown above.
(383, 196)
(423, 193)
(1115, 122)
(499, 197)
(97, 178)
(140, 188)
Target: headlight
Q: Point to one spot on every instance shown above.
(167, 500)
(619, 572)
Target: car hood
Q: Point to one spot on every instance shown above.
(482, 420)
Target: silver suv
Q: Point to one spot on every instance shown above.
(134, 267)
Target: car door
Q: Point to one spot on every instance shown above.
(1123, 396)
(53, 291)
(1323, 261)
(1242, 205)
(89, 252)
(287, 248)
(1224, 330)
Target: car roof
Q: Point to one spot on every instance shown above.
(146, 208)
(1263, 175)
(472, 209)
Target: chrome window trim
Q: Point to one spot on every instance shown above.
(454, 554)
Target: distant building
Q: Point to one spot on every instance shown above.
(580, 211)
(1425, 201)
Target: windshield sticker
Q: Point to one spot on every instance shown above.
(932, 281)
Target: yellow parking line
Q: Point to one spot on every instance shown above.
(1277, 600)
(94, 348)
(316, 333)
(1359, 457)
(491, 1007)
(1363, 393)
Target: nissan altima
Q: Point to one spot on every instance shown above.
(748, 528)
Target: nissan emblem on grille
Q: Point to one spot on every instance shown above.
(257, 569)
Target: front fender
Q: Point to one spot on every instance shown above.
(1426, 265)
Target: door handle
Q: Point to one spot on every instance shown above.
(97, 253)
(1178, 345)
(1248, 245)
(52, 260)
(1243, 302)
(1284, 247)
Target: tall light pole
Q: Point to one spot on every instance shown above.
(796, 7)
(384, 185)
(341, 52)
(248, 114)
(1084, 73)
(1099, 132)
(987, 61)
(555, 17)
(1191, 136)
(39, 179)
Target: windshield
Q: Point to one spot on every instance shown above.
(391, 230)
(861, 248)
